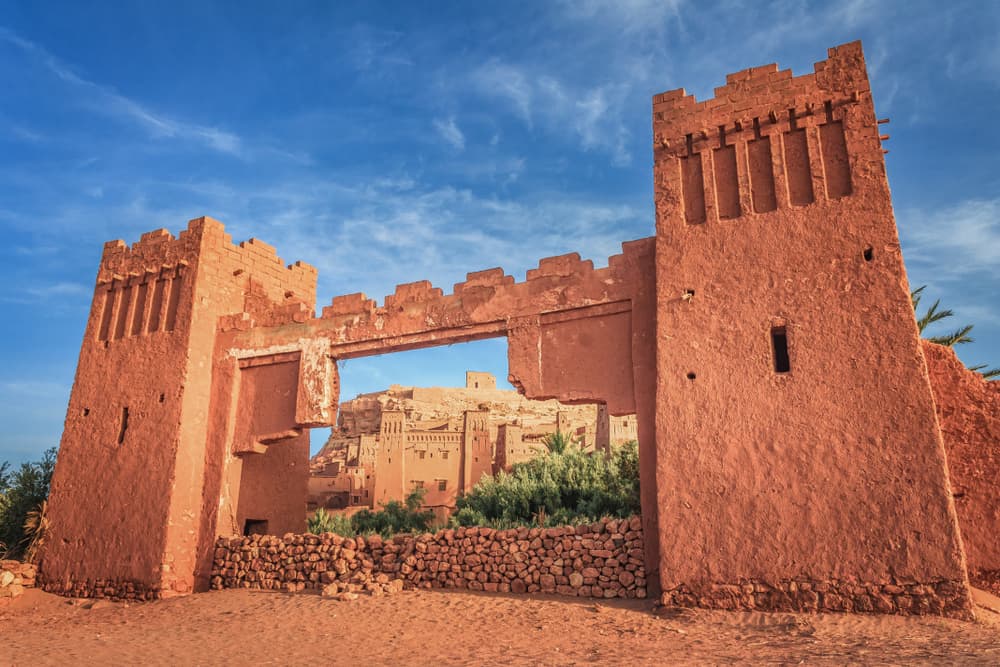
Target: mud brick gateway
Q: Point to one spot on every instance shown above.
(791, 457)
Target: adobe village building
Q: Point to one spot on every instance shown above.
(441, 427)
(790, 452)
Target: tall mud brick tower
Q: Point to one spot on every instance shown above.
(128, 486)
(799, 460)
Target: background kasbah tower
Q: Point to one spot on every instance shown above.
(127, 489)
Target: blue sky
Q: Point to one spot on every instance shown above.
(392, 142)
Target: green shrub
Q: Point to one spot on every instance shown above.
(322, 522)
(21, 492)
(566, 486)
(395, 517)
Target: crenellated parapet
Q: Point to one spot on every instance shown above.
(140, 287)
(558, 283)
(563, 298)
(767, 141)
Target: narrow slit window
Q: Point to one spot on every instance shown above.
(779, 344)
(123, 427)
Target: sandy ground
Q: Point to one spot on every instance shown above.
(241, 627)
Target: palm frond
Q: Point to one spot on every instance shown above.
(933, 315)
(558, 443)
(988, 374)
(957, 337)
(915, 296)
(36, 530)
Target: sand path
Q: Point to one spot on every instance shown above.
(241, 627)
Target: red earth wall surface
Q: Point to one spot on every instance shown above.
(968, 410)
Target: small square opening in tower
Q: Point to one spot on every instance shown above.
(779, 345)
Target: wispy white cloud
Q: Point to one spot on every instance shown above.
(25, 134)
(958, 240)
(978, 313)
(104, 99)
(506, 82)
(450, 132)
(628, 17)
(33, 388)
(57, 290)
(594, 114)
(370, 235)
(372, 48)
(53, 292)
(36, 250)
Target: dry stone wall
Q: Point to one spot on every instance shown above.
(603, 559)
(15, 576)
(942, 597)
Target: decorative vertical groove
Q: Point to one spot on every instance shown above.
(836, 163)
(797, 171)
(727, 188)
(109, 307)
(123, 311)
(761, 175)
(175, 297)
(140, 309)
(156, 307)
(693, 188)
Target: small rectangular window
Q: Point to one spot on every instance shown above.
(442, 485)
(779, 345)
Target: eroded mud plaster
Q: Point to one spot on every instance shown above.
(968, 409)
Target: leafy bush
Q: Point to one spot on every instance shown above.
(23, 491)
(394, 517)
(560, 488)
(321, 522)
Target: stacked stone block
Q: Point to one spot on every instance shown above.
(947, 598)
(601, 560)
(15, 576)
